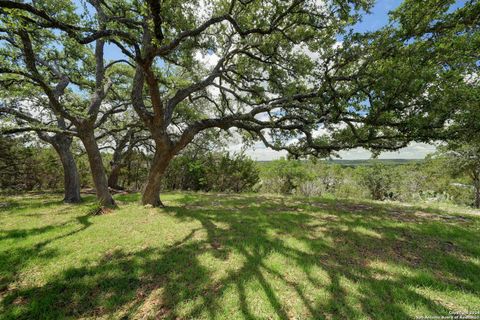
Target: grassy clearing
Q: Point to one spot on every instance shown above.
(235, 257)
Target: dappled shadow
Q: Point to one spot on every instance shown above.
(13, 260)
(24, 233)
(9, 205)
(362, 251)
(37, 200)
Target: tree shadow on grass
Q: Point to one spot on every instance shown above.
(346, 240)
(13, 205)
(37, 201)
(12, 261)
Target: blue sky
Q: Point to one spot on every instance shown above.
(378, 16)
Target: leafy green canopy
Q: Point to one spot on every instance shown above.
(276, 70)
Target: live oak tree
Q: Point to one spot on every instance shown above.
(25, 164)
(40, 121)
(124, 147)
(278, 72)
(73, 78)
(426, 78)
(123, 135)
(284, 72)
(262, 79)
(120, 131)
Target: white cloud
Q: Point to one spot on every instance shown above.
(258, 152)
(209, 60)
(413, 151)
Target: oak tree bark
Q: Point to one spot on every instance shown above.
(113, 176)
(476, 186)
(96, 166)
(71, 178)
(160, 162)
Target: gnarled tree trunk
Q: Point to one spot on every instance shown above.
(71, 177)
(120, 157)
(476, 186)
(160, 162)
(113, 176)
(96, 167)
(477, 197)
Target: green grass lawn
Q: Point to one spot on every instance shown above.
(213, 256)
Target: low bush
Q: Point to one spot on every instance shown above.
(215, 171)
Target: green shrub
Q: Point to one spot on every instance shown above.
(285, 176)
(213, 171)
(378, 180)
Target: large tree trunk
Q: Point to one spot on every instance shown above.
(120, 157)
(113, 176)
(476, 187)
(477, 194)
(151, 194)
(477, 197)
(71, 177)
(97, 169)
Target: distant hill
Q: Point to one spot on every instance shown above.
(370, 162)
(366, 162)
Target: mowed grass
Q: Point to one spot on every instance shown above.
(212, 256)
